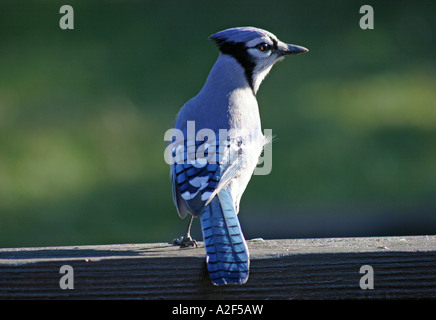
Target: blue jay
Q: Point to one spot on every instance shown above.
(210, 184)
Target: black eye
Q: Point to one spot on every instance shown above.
(263, 47)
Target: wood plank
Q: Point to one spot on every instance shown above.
(404, 267)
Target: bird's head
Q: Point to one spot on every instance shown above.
(255, 49)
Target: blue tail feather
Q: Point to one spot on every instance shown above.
(227, 254)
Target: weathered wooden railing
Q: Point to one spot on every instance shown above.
(339, 268)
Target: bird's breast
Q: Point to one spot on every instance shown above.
(243, 111)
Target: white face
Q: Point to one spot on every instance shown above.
(262, 50)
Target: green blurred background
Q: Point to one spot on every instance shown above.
(83, 113)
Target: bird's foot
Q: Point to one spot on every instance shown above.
(185, 241)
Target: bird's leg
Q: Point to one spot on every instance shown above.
(186, 240)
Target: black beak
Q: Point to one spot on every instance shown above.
(292, 49)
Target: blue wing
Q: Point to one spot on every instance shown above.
(197, 180)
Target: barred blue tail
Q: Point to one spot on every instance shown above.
(226, 250)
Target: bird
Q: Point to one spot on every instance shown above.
(211, 171)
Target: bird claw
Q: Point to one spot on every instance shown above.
(185, 241)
